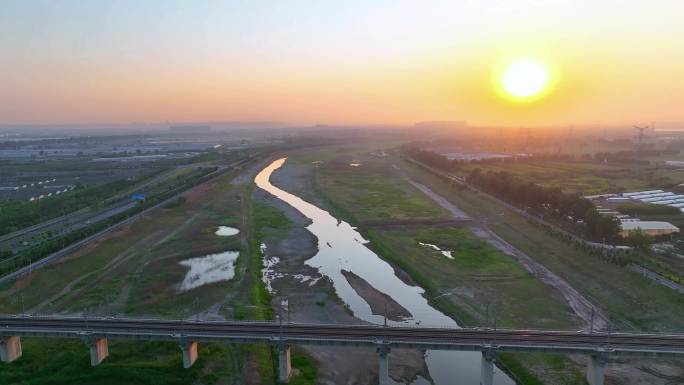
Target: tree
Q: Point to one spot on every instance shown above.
(601, 227)
(638, 240)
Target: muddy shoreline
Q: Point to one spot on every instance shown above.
(314, 299)
(380, 303)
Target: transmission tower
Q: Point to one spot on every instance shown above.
(640, 137)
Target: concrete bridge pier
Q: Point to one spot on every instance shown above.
(190, 354)
(383, 367)
(99, 350)
(284, 363)
(596, 369)
(10, 348)
(487, 368)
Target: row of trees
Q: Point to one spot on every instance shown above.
(51, 245)
(572, 212)
(15, 214)
(441, 161)
(622, 157)
(549, 202)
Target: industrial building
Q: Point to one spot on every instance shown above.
(652, 228)
(630, 224)
(656, 197)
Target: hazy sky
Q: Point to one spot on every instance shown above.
(337, 61)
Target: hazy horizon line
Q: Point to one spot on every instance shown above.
(274, 124)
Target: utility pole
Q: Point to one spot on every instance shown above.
(385, 323)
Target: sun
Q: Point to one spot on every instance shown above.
(525, 79)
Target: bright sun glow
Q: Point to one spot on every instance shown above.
(525, 78)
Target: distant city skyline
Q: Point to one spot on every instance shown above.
(325, 62)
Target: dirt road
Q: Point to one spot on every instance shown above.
(592, 316)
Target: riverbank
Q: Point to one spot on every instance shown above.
(342, 248)
(310, 297)
(462, 302)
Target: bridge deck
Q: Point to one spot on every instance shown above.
(354, 335)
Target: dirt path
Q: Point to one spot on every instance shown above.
(180, 228)
(66, 290)
(440, 200)
(70, 292)
(579, 304)
(221, 309)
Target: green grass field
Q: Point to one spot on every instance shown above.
(142, 259)
(374, 191)
(480, 285)
(135, 272)
(137, 363)
(586, 178)
(631, 301)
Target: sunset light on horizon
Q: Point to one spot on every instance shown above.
(371, 192)
(506, 63)
(525, 80)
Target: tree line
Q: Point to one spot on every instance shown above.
(16, 215)
(621, 157)
(438, 160)
(574, 212)
(547, 202)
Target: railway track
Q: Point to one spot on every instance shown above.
(361, 335)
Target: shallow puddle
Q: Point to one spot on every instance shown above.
(226, 231)
(446, 253)
(209, 269)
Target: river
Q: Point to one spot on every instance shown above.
(341, 247)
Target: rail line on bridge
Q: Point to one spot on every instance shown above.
(599, 346)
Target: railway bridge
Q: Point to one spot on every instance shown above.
(598, 346)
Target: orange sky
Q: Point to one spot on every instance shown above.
(392, 62)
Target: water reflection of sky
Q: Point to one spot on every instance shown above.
(341, 247)
(209, 269)
(226, 231)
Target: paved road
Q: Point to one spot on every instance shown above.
(26, 238)
(656, 277)
(355, 335)
(5, 239)
(74, 246)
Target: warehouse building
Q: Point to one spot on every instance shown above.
(652, 228)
